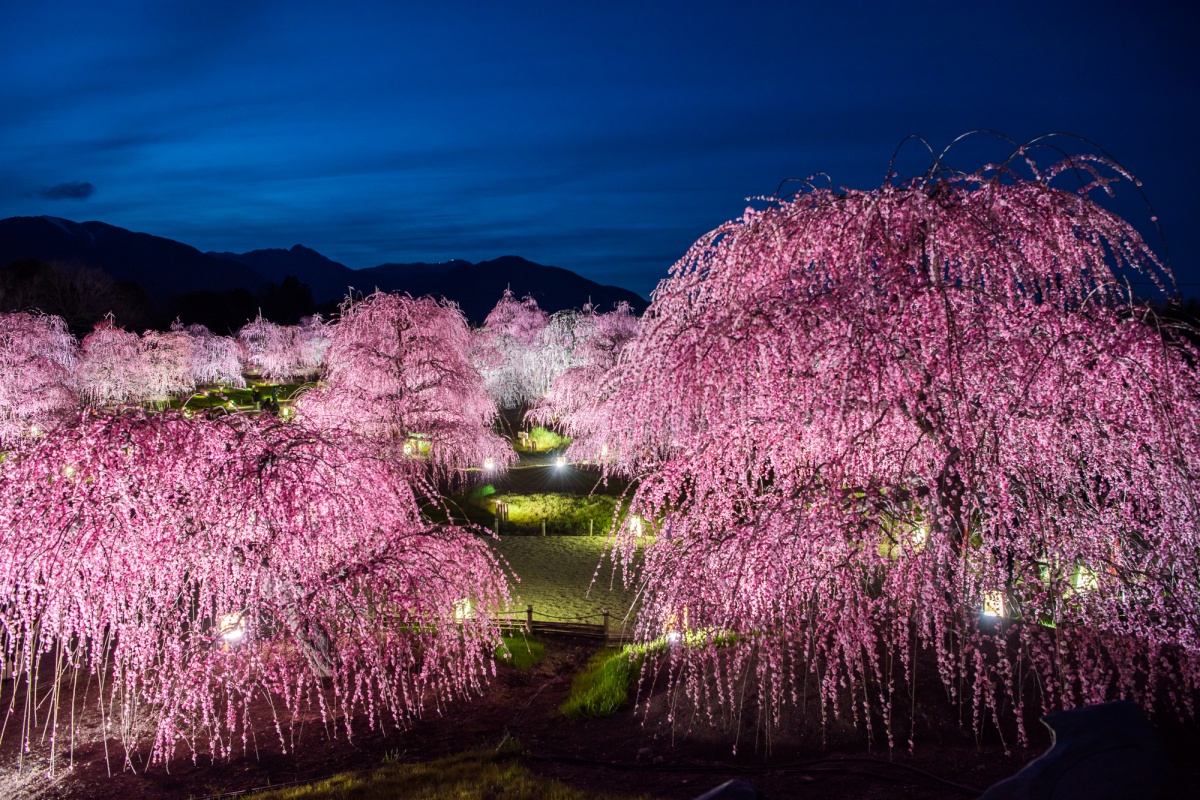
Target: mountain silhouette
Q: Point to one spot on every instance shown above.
(161, 267)
(166, 270)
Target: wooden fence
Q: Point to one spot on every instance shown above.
(536, 622)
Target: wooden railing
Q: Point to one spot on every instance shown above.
(536, 622)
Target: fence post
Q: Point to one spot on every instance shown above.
(529, 617)
(497, 524)
(605, 612)
(543, 526)
(590, 532)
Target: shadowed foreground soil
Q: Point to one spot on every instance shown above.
(632, 752)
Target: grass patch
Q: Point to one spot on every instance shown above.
(564, 513)
(546, 439)
(474, 775)
(519, 652)
(603, 686)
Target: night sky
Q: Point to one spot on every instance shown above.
(603, 140)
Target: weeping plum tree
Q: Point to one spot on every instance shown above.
(268, 349)
(506, 351)
(215, 359)
(177, 570)
(397, 368)
(166, 364)
(37, 382)
(110, 370)
(311, 341)
(283, 352)
(596, 344)
(862, 418)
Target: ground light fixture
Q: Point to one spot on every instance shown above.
(560, 462)
(489, 465)
(462, 609)
(232, 630)
(993, 604)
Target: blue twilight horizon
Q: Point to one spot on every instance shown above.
(604, 140)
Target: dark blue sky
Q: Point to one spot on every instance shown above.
(605, 141)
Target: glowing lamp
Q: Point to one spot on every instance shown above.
(560, 462)
(462, 609)
(232, 629)
(1085, 580)
(489, 464)
(674, 638)
(69, 471)
(35, 431)
(635, 526)
(993, 604)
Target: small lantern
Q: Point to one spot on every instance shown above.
(489, 464)
(993, 604)
(1085, 579)
(462, 609)
(560, 462)
(231, 630)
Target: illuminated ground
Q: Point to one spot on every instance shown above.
(556, 576)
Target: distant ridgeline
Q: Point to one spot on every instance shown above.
(83, 270)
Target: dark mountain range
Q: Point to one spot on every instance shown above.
(161, 267)
(476, 287)
(326, 278)
(178, 279)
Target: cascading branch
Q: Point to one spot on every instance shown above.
(861, 417)
(175, 571)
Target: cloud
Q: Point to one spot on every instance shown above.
(72, 190)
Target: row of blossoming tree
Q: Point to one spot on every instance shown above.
(44, 375)
(171, 571)
(525, 355)
(926, 418)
